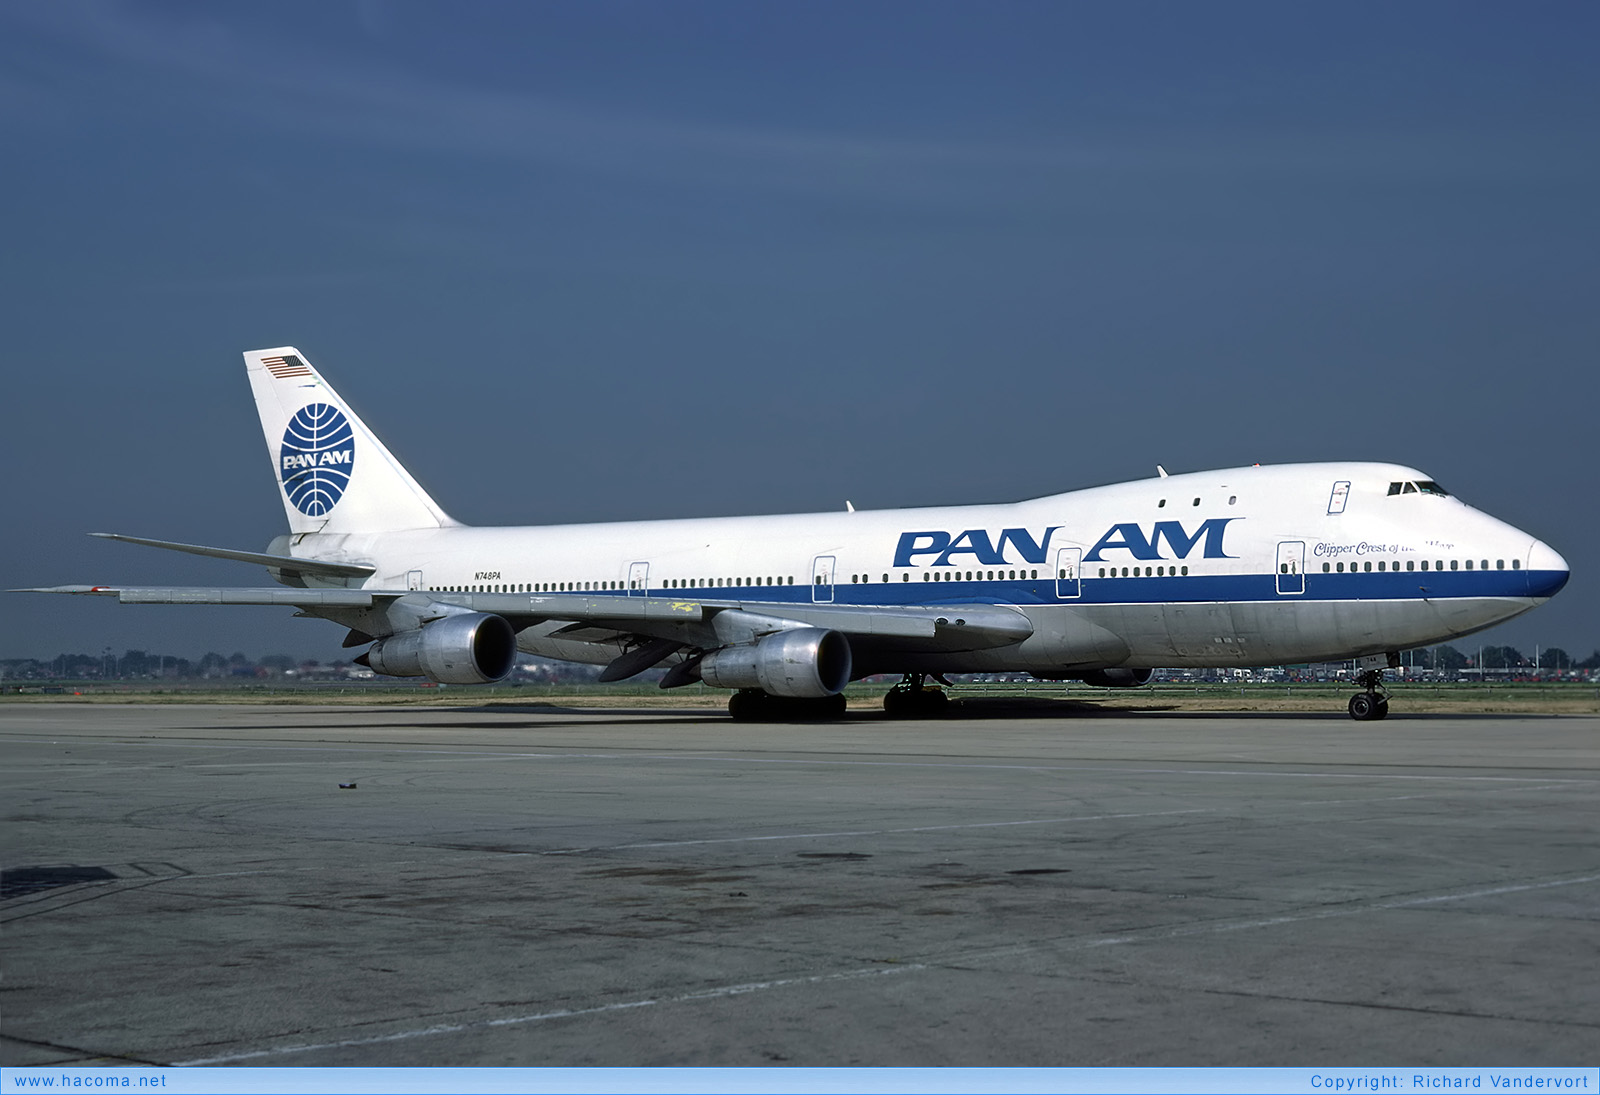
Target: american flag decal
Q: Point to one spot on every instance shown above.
(281, 367)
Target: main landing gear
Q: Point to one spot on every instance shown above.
(911, 699)
(754, 705)
(1372, 703)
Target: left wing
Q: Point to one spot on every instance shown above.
(663, 624)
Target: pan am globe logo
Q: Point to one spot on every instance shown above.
(319, 451)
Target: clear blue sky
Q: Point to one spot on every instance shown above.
(612, 260)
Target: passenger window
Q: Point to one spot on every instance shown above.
(1485, 564)
(1469, 564)
(1499, 564)
(1341, 568)
(1367, 567)
(886, 577)
(1454, 565)
(1326, 567)
(1186, 570)
(1232, 498)
(1197, 501)
(905, 577)
(1516, 564)
(1161, 504)
(1102, 572)
(1381, 564)
(1411, 564)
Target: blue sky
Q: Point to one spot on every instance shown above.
(614, 260)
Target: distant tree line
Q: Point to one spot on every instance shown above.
(1551, 659)
(142, 665)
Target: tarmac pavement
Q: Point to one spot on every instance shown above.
(1030, 884)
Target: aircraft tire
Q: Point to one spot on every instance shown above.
(902, 704)
(749, 705)
(1364, 707)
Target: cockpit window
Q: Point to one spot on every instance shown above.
(1421, 486)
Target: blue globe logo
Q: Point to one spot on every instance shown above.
(318, 453)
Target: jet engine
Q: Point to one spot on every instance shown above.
(803, 662)
(469, 648)
(1117, 678)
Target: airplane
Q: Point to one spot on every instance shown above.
(1263, 565)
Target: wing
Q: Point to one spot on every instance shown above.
(664, 625)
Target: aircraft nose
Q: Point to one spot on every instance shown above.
(1547, 570)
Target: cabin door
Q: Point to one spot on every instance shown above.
(822, 579)
(638, 579)
(1068, 562)
(1291, 568)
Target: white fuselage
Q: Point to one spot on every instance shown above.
(1248, 566)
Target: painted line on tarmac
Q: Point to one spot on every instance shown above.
(720, 993)
(1148, 935)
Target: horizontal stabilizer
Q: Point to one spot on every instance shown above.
(288, 563)
(211, 595)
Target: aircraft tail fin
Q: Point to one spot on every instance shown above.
(334, 473)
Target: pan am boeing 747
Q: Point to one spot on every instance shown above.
(1244, 567)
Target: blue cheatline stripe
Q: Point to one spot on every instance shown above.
(1180, 589)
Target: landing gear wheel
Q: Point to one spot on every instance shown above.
(750, 705)
(910, 699)
(754, 705)
(1373, 703)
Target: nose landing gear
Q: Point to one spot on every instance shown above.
(1373, 703)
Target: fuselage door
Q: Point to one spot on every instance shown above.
(1339, 496)
(1291, 567)
(638, 579)
(1068, 562)
(413, 579)
(822, 579)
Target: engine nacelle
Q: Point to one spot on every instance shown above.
(1117, 678)
(469, 648)
(804, 662)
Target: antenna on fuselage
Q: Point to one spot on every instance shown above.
(1161, 471)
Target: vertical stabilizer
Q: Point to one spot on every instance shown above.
(335, 476)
